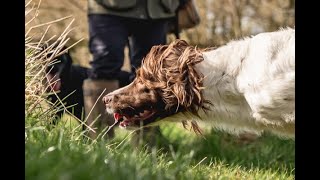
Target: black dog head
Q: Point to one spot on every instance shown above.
(58, 70)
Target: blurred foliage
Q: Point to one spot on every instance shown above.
(221, 21)
(224, 20)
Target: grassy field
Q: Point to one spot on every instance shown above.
(62, 153)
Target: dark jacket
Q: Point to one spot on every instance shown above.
(141, 9)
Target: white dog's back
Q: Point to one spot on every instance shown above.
(267, 80)
(251, 83)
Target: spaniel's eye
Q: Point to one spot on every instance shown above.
(146, 90)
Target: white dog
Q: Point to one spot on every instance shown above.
(245, 85)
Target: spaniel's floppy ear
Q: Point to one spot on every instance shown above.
(182, 79)
(171, 70)
(189, 83)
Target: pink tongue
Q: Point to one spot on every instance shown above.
(117, 116)
(55, 85)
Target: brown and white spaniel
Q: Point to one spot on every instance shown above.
(245, 85)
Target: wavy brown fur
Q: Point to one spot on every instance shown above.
(170, 69)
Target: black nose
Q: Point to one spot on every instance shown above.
(107, 99)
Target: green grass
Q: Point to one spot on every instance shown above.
(61, 153)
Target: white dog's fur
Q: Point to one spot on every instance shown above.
(251, 83)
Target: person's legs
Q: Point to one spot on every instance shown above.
(108, 36)
(143, 37)
(107, 39)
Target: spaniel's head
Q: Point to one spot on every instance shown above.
(165, 84)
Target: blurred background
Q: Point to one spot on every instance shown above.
(221, 21)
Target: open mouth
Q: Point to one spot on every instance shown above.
(54, 82)
(145, 117)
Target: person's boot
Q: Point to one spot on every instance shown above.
(95, 112)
